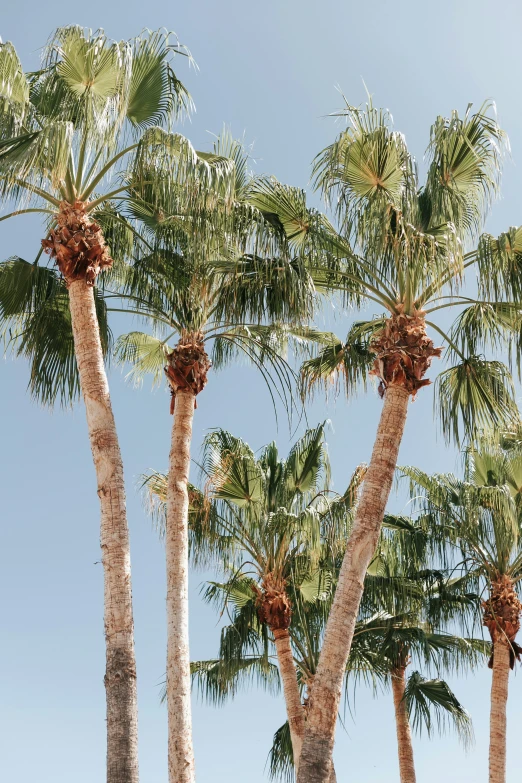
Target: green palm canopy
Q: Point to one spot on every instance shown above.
(66, 134)
(265, 521)
(479, 517)
(409, 249)
(216, 266)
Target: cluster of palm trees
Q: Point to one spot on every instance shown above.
(217, 263)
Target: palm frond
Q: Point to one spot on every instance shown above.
(84, 80)
(494, 325)
(28, 160)
(14, 92)
(146, 354)
(368, 168)
(253, 287)
(499, 261)
(230, 465)
(167, 173)
(465, 170)
(285, 208)
(475, 396)
(424, 697)
(220, 679)
(281, 757)
(35, 323)
(276, 337)
(226, 146)
(348, 363)
(307, 469)
(155, 92)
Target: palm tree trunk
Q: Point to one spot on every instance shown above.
(402, 723)
(294, 706)
(120, 676)
(181, 754)
(318, 741)
(499, 695)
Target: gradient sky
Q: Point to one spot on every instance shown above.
(271, 70)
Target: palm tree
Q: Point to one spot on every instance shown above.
(384, 644)
(412, 262)
(267, 525)
(218, 269)
(63, 131)
(481, 518)
(406, 579)
(189, 206)
(414, 696)
(383, 647)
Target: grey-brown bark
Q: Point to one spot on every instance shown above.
(316, 754)
(120, 676)
(180, 750)
(403, 728)
(294, 706)
(499, 695)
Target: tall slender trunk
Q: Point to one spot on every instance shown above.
(120, 676)
(294, 706)
(316, 754)
(499, 695)
(181, 754)
(402, 723)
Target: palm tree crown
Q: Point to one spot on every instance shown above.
(65, 130)
(407, 250)
(480, 517)
(216, 266)
(255, 524)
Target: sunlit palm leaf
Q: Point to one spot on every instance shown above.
(35, 324)
(285, 208)
(281, 757)
(146, 354)
(33, 156)
(424, 697)
(176, 178)
(488, 325)
(500, 264)
(230, 463)
(252, 287)
(308, 466)
(219, 679)
(367, 159)
(464, 173)
(475, 395)
(155, 93)
(14, 92)
(349, 362)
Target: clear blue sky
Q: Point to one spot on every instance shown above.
(269, 69)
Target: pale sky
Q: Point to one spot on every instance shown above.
(270, 70)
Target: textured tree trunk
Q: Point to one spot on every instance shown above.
(497, 728)
(294, 706)
(316, 754)
(120, 676)
(181, 754)
(402, 723)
